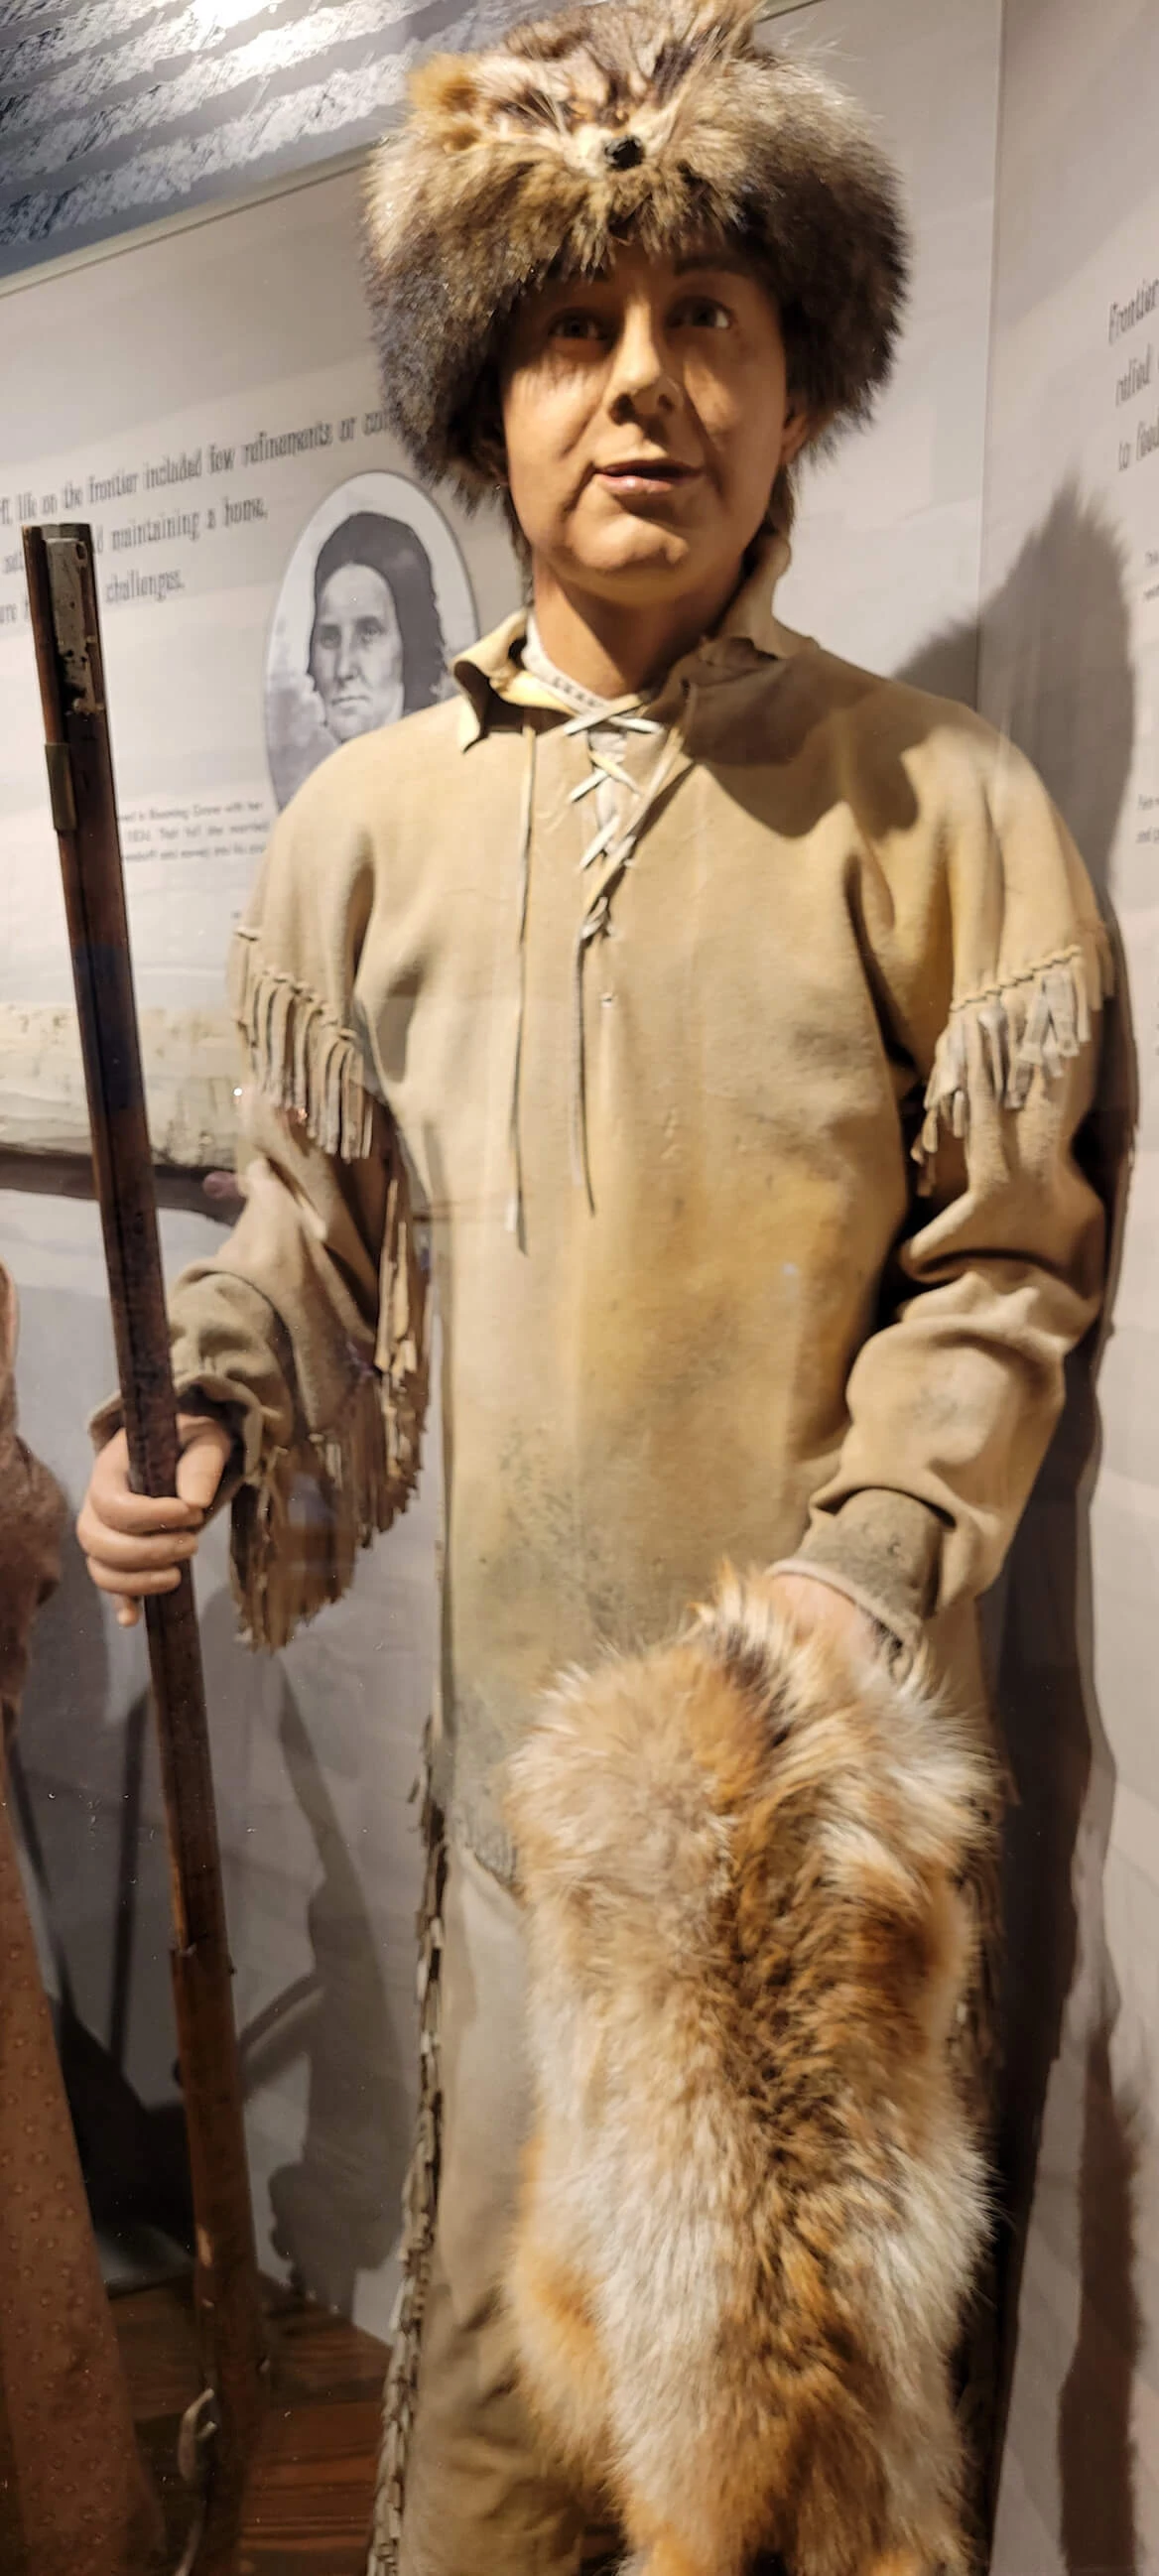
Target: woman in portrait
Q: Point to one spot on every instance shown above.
(376, 646)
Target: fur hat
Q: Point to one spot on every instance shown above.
(754, 2197)
(663, 122)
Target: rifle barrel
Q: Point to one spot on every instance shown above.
(62, 591)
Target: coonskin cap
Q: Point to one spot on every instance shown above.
(667, 123)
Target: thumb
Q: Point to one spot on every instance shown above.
(206, 1447)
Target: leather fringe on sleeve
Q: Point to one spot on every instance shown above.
(303, 1058)
(297, 1532)
(998, 1038)
(298, 1527)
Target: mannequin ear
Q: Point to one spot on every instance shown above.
(796, 431)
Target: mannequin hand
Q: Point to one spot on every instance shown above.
(811, 1606)
(136, 1544)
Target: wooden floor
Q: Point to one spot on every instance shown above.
(312, 2491)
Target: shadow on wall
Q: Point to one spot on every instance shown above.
(132, 2150)
(104, 1907)
(335, 2209)
(1055, 671)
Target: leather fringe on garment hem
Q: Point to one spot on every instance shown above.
(996, 1040)
(420, 2202)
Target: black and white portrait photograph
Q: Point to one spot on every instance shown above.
(374, 605)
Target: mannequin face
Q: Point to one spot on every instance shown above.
(356, 661)
(646, 415)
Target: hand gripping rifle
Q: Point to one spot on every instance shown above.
(220, 2432)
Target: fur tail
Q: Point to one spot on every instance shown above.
(754, 2197)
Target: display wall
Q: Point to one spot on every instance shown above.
(208, 402)
(1070, 667)
(997, 537)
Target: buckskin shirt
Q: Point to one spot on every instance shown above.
(729, 1050)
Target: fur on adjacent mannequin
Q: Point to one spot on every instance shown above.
(664, 122)
(754, 2199)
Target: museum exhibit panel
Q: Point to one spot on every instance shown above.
(648, 1131)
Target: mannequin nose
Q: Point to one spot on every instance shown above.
(642, 379)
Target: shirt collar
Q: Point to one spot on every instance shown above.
(749, 629)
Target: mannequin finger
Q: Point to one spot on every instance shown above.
(114, 1506)
(102, 1534)
(106, 1579)
(135, 1551)
(202, 1465)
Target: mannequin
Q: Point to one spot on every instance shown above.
(719, 1017)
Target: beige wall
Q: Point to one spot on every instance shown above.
(897, 563)
(1070, 665)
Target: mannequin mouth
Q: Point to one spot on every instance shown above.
(645, 478)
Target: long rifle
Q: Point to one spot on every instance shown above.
(222, 2430)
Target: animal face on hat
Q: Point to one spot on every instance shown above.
(666, 123)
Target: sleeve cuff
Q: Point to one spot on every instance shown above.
(242, 1421)
(882, 1549)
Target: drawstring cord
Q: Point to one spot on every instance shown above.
(515, 1213)
(615, 843)
(617, 846)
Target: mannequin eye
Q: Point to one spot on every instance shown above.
(704, 313)
(577, 326)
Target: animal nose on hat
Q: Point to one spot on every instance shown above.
(624, 152)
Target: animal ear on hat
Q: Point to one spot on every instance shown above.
(663, 122)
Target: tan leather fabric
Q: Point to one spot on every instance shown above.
(478, 2496)
(72, 2492)
(847, 925)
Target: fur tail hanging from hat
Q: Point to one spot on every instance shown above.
(754, 2198)
(670, 123)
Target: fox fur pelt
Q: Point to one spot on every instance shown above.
(666, 122)
(754, 2199)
